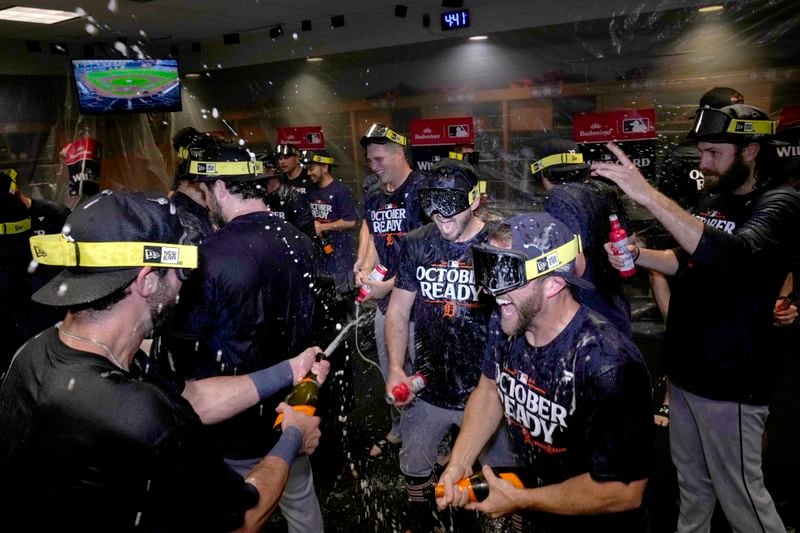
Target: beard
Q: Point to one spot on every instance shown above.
(458, 230)
(733, 178)
(526, 312)
(215, 211)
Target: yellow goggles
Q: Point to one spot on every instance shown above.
(550, 261)
(379, 131)
(499, 270)
(321, 159)
(11, 173)
(226, 168)
(13, 228)
(556, 159)
(753, 127)
(57, 250)
(476, 191)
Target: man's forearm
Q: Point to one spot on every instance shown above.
(219, 398)
(398, 315)
(682, 225)
(582, 495)
(339, 225)
(269, 477)
(663, 261)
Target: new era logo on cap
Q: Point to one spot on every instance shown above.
(161, 255)
(547, 262)
(207, 168)
(744, 126)
(39, 252)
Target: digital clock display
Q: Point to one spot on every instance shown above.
(453, 20)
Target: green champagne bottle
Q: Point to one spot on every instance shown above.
(302, 398)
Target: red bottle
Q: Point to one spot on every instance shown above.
(619, 239)
(402, 391)
(377, 274)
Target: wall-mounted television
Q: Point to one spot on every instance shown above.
(127, 85)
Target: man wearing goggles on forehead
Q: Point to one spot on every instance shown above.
(722, 365)
(573, 390)
(249, 307)
(118, 437)
(435, 288)
(584, 206)
(391, 209)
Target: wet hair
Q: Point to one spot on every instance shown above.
(247, 190)
(185, 137)
(502, 234)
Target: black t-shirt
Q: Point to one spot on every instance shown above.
(389, 216)
(249, 306)
(450, 313)
(330, 204)
(302, 183)
(719, 337)
(291, 205)
(89, 446)
(584, 207)
(579, 404)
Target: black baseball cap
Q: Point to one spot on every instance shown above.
(449, 188)
(558, 155)
(540, 245)
(116, 218)
(721, 97)
(317, 156)
(15, 227)
(227, 161)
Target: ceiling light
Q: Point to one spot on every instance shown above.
(710, 9)
(478, 37)
(192, 75)
(36, 15)
(313, 59)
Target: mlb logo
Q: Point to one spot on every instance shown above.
(453, 264)
(552, 260)
(636, 125)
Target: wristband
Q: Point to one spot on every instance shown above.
(288, 446)
(270, 380)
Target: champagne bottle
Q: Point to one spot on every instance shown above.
(303, 397)
(326, 243)
(619, 239)
(478, 487)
